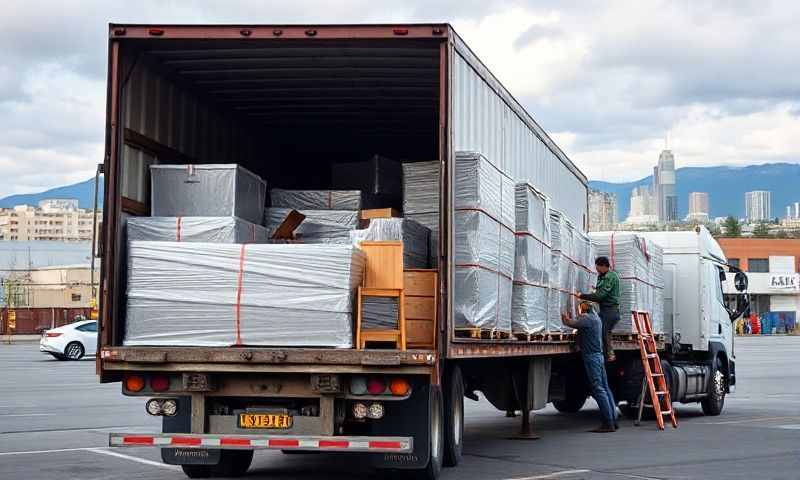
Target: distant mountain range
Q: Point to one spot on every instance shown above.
(726, 187)
(83, 191)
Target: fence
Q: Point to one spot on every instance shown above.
(34, 320)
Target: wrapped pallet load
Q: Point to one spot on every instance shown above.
(532, 261)
(316, 199)
(195, 229)
(415, 238)
(319, 226)
(484, 244)
(639, 264)
(421, 200)
(212, 294)
(213, 190)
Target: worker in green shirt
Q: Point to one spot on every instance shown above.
(606, 294)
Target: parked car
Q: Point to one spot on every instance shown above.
(70, 342)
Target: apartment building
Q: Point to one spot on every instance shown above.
(57, 219)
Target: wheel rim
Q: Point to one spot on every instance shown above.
(719, 385)
(436, 430)
(74, 351)
(457, 412)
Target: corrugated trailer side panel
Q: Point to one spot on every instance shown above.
(486, 118)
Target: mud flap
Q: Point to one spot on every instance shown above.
(410, 417)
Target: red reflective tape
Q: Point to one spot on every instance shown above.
(138, 440)
(390, 445)
(235, 441)
(284, 443)
(334, 444)
(178, 229)
(239, 296)
(186, 441)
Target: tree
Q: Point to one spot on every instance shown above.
(732, 227)
(781, 234)
(761, 230)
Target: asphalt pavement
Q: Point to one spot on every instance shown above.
(55, 418)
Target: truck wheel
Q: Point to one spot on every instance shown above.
(434, 467)
(232, 463)
(453, 417)
(713, 403)
(575, 396)
(197, 471)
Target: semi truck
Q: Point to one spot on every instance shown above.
(284, 101)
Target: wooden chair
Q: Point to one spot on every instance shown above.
(383, 278)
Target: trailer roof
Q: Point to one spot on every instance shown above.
(237, 59)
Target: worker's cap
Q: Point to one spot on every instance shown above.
(589, 306)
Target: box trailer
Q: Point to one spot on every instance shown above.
(285, 102)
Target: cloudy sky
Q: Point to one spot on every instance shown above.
(609, 80)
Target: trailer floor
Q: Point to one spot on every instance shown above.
(54, 421)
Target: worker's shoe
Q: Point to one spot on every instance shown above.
(616, 426)
(603, 429)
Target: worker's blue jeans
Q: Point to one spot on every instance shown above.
(598, 382)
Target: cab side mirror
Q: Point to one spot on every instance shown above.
(740, 281)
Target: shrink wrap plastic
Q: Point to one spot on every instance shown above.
(316, 199)
(215, 294)
(532, 261)
(209, 190)
(379, 313)
(484, 244)
(421, 200)
(571, 269)
(640, 265)
(319, 226)
(414, 236)
(195, 229)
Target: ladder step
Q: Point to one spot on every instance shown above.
(658, 375)
(658, 392)
(652, 355)
(666, 412)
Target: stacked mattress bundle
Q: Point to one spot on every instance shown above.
(415, 238)
(484, 244)
(562, 273)
(319, 226)
(316, 199)
(639, 264)
(196, 229)
(212, 294)
(421, 200)
(532, 261)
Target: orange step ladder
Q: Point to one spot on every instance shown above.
(654, 380)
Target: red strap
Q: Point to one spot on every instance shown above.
(239, 296)
(178, 229)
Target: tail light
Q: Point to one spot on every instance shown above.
(376, 386)
(359, 410)
(358, 385)
(159, 383)
(399, 387)
(134, 383)
(53, 334)
(375, 411)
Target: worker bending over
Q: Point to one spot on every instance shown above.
(606, 294)
(590, 336)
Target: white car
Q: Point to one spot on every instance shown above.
(70, 342)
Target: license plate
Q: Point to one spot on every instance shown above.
(264, 420)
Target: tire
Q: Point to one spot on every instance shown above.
(631, 409)
(58, 357)
(576, 396)
(74, 351)
(453, 418)
(197, 471)
(434, 467)
(232, 463)
(712, 405)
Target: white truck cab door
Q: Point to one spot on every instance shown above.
(719, 323)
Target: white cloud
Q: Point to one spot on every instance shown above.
(609, 78)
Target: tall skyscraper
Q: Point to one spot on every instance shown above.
(793, 211)
(757, 205)
(602, 211)
(698, 207)
(664, 187)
